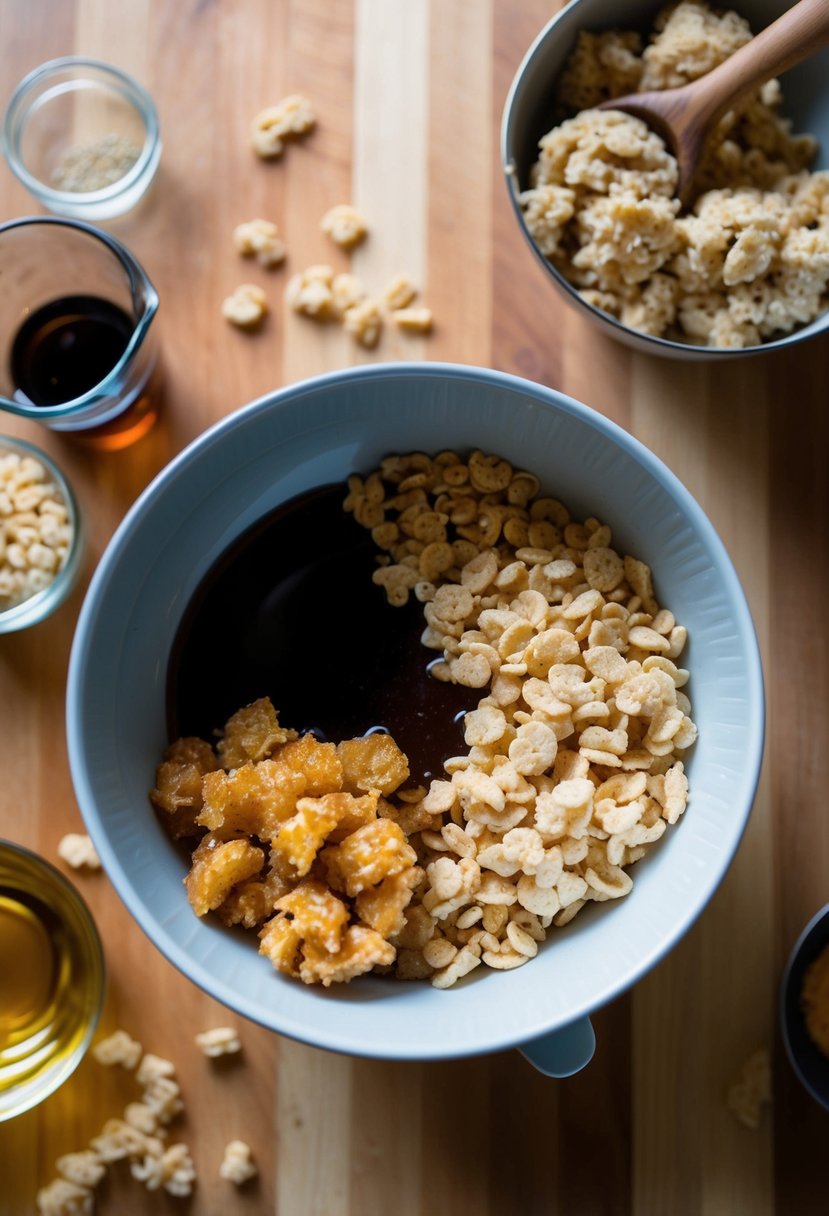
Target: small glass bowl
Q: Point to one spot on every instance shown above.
(40, 1047)
(42, 603)
(82, 137)
(807, 1060)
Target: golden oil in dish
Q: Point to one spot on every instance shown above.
(51, 979)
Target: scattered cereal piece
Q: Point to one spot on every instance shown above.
(220, 1041)
(78, 850)
(413, 320)
(142, 1117)
(62, 1198)
(364, 322)
(173, 1170)
(237, 1164)
(163, 1097)
(311, 292)
(399, 293)
(291, 118)
(752, 1090)
(118, 1048)
(346, 292)
(259, 239)
(118, 1140)
(84, 1169)
(154, 1067)
(246, 307)
(345, 225)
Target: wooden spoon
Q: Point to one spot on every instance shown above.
(684, 116)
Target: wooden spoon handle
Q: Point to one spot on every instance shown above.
(800, 32)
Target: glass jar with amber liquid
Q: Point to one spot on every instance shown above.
(51, 979)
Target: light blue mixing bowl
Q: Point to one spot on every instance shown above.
(318, 432)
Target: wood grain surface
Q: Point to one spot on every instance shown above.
(409, 95)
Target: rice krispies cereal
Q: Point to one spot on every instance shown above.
(574, 764)
(748, 263)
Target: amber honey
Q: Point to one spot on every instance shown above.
(51, 979)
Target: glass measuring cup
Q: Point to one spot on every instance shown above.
(76, 352)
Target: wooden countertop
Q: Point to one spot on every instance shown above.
(409, 98)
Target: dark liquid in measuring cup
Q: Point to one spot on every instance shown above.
(290, 612)
(67, 347)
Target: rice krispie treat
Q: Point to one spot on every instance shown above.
(748, 263)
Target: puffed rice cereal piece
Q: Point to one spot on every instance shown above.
(117, 1140)
(346, 292)
(413, 320)
(466, 960)
(259, 239)
(399, 292)
(163, 1097)
(173, 1170)
(62, 1198)
(291, 118)
(246, 307)
(85, 1169)
(345, 225)
(364, 322)
(78, 850)
(219, 1041)
(747, 1096)
(118, 1048)
(237, 1164)
(311, 292)
(142, 1117)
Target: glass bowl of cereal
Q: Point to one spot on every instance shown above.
(41, 542)
(409, 672)
(745, 267)
(83, 138)
(804, 1007)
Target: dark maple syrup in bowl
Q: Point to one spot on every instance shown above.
(66, 347)
(289, 611)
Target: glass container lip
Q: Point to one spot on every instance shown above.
(15, 120)
(137, 278)
(94, 941)
(37, 607)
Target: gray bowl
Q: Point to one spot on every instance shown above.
(529, 112)
(808, 1062)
